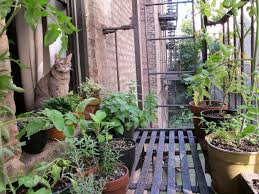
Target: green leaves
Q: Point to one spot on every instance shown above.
(51, 35)
(5, 7)
(6, 84)
(81, 106)
(56, 118)
(99, 116)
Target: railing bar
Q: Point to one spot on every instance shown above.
(197, 164)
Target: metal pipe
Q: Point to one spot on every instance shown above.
(137, 52)
(167, 3)
(171, 38)
(117, 60)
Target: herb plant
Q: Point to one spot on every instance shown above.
(90, 89)
(63, 104)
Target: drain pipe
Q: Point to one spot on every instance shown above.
(114, 30)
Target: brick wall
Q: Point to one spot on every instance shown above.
(101, 48)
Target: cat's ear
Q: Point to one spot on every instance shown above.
(57, 58)
(69, 58)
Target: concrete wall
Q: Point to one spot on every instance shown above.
(101, 48)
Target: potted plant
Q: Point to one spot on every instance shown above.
(115, 174)
(122, 108)
(232, 150)
(44, 178)
(63, 104)
(33, 128)
(83, 154)
(65, 125)
(126, 148)
(90, 89)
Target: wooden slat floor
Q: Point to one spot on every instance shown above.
(167, 161)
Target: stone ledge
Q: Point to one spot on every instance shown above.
(52, 150)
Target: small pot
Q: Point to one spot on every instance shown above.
(128, 134)
(35, 143)
(55, 134)
(208, 116)
(119, 186)
(92, 108)
(226, 167)
(196, 110)
(127, 156)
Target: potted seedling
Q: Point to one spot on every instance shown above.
(44, 178)
(90, 89)
(33, 128)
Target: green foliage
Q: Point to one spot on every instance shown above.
(181, 120)
(98, 126)
(63, 104)
(90, 89)
(87, 184)
(42, 178)
(109, 159)
(122, 108)
(31, 123)
(82, 153)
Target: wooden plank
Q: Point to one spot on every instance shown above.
(157, 179)
(184, 165)
(144, 172)
(136, 135)
(197, 165)
(171, 164)
(138, 151)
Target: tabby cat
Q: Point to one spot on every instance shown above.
(55, 83)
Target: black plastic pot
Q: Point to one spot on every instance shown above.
(35, 143)
(128, 155)
(64, 191)
(212, 116)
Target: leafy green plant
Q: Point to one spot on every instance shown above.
(63, 104)
(90, 89)
(122, 108)
(42, 178)
(98, 126)
(31, 123)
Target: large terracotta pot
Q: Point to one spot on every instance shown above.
(197, 109)
(226, 167)
(92, 108)
(119, 186)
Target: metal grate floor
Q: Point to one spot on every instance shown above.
(167, 161)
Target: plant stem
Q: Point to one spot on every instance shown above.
(16, 9)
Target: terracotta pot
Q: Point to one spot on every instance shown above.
(55, 134)
(226, 167)
(119, 186)
(92, 108)
(196, 110)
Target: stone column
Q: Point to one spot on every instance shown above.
(12, 164)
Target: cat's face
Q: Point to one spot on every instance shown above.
(63, 65)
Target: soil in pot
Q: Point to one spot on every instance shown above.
(218, 116)
(126, 147)
(35, 143)
(117, 183)
(228, 160)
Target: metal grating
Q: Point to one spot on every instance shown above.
(156, 153)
